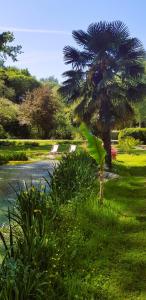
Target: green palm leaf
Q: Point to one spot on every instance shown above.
(95, 145)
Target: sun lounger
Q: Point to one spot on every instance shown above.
(72, 148)
(54, 149)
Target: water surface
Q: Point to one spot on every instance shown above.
(15, 177)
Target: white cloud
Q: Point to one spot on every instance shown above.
(37, 57)
(34, 57)
(31, 30)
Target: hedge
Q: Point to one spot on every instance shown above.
(13, 156)
(137, 133)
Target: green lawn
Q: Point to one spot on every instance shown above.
(127, 272)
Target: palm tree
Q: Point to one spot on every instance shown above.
(106, 72)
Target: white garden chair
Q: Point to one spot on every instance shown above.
(54, 149)
(72, 148)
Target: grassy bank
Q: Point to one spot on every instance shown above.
(85, 251)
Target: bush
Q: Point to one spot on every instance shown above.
(7, 143)
(61, 133)
(127, 144)
(76, 171)
(13, 156)
(15, 129)
(17, 156)
(3, 159)
(136, 133)
(3, 133)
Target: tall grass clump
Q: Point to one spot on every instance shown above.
(76, 172)
(29, 248)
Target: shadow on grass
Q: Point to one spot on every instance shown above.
(129, 170)
(113, 253)
(130, 192)
(125, 254)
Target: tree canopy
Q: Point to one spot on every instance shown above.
(39, 109)
(106, 72)
(14, 83)
(6, 48)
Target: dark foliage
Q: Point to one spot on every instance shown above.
(106, 73)
(137, 133)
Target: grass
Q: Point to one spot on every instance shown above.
(128, 264)
(131, 164)
(110, 242)
(102, 251)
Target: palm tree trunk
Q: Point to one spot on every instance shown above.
(106, 136)
(105, 119)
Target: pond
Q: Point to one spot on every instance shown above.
(12, 178)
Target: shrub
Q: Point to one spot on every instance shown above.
(14, 156)
(17, 156)
(15, 129)
(76, 171)
(127, 144)
(3, 159)
(136, 133)
(3, 133)
(7, 143)
(61, 133)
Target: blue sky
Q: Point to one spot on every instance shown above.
(43, 27)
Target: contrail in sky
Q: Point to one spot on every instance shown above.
(31, 30)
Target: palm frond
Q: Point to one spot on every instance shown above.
(134, 69)
(109, 63)
(136, 92)
(123, 112)
(81, 37)
(99, 37)
(73, 74)
(81, 108)
(75, 57)
(120, 30)
(71, 87)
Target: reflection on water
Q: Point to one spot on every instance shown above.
(13, 178)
